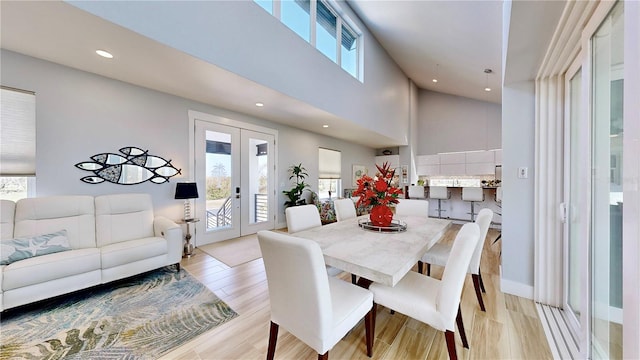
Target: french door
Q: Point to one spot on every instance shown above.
(234, 170)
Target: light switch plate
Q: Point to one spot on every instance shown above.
(523, 172)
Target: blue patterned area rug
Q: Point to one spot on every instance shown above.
(141, 317)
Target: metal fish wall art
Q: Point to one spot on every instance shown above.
(134, 166)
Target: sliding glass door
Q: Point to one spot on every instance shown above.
(606, 186)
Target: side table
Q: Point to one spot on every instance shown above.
(188, 247)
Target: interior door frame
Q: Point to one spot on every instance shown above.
(222, 120)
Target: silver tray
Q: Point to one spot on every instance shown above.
(396, 226)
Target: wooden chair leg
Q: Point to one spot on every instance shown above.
(476, 285)
(420, 264)
(324, 356)
(451, 344)
(353, 279)
(273, 337)
(428, 269)
(463, 335)
(481, 282)
(369, 324)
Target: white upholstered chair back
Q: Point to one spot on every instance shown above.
(472, 194)
(416, 192)
(345, 209)
(439, 192)
(302, 217)
(298, 286)
(455, 272)
(123, 217)
(7, 215)
(43, 215)
(412, 207)
(484, 221)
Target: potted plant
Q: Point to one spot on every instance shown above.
(294, 195)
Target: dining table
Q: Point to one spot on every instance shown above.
(380, 256)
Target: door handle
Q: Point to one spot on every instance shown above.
(237, 192)
(562, 212)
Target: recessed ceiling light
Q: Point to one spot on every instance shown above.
(435, 80)
(259, 104)
(104, 54)
(325, 126)
(487, 89)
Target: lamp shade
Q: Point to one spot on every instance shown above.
(186, 190)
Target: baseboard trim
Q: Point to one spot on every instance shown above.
(515, 288)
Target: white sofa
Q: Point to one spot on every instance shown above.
(111, 237)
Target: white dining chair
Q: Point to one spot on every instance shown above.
(305, 217)
(317, 309)
(439, 254)
(412, 207)
(431, 301)
(345, 209)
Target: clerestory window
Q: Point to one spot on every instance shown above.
(324, 25)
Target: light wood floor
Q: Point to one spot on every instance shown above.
(509, 329)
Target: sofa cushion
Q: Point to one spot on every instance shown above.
(131, 251)
(74, 213)
(123, 217)
(40, 269)
(7, 217)
(12, 250)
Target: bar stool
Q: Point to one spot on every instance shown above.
(440, 193)
(472, 194)
(416, 192)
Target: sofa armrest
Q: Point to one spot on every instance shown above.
(171, 231)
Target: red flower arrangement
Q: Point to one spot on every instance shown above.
(379, 194)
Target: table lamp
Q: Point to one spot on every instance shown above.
(186, 191)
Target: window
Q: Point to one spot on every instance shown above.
(329, 173)
(17, 144)
(321, 23)
(295, 14)
(349, 51)
(326, 31)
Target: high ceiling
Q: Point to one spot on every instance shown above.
(451, 40)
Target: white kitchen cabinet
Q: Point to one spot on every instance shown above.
(453, 169)
(498, 156)
(487, 168)
(452, 158)
(476, 157)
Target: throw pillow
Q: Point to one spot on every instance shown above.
(13, 250)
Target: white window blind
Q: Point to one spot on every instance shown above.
(17, 132)
(329, 164)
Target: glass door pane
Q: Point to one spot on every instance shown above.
(258, 185)
(606, 192)
(217, 172)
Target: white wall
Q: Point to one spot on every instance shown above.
(453, 123)
(518, 127)
(79, 114)
(241, 37)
